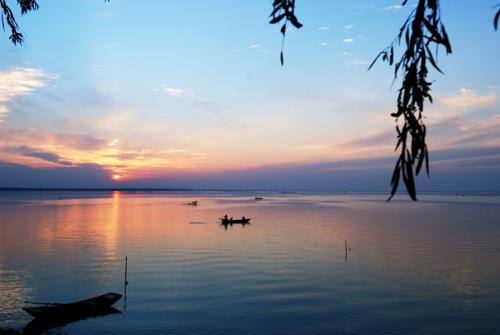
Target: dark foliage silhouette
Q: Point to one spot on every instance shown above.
(497, 18)
(8, 17)
(423, 34)
(284, 12)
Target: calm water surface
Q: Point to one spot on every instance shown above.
(431, 267)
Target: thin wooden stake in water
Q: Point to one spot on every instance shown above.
(126, 265)
(125, 286)
(346, 250)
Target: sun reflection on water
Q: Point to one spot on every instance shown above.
(289, 261)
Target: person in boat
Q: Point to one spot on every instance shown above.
(243, 219)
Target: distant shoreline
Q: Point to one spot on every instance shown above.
(191, 190)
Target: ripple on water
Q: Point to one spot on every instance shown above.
(428, 268)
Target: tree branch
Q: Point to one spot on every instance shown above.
(284, 11)
(422, 32)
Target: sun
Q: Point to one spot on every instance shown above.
(116, 177)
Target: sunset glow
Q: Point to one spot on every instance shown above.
(249, 167)
(177, 116)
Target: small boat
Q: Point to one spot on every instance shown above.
(83, 307)
(191, 203)
(243, 220)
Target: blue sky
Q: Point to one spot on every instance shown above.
(187, 93)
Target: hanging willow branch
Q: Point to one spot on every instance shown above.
(496, 18)
(422, 30)
(423, 33)
(8, 17)
(284, 11)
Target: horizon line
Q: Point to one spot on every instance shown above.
(163, 189)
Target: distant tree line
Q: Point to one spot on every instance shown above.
(423, 33)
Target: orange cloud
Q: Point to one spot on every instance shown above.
(37, 148)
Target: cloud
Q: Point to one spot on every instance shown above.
(468, 98)
(323, 44)
(393, 7)
(449, 132)
(473, 169)
(324, 28)
(113, 142)
(39, 137)
(371, 141)
(478, 171)
(84, 176)
(18, 82)
(448, 129)
(173, 91)
(43, 149)
(37, 148)
(478, 132)
(348, 40)
(258, 48)
(348, 26)
(45, 156)
(135, 158)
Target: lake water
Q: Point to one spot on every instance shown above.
(431, 267)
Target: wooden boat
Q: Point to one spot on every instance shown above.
(83, 307)
(235, 221)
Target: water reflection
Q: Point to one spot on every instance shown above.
(42, 325)
(289, 272)
(230, 224)
(14, 288)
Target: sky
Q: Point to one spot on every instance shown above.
(191, 94)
